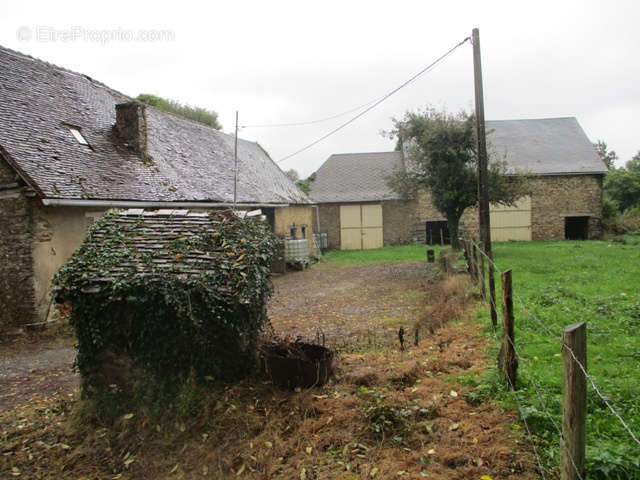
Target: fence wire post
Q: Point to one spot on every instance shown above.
(474, 263)
(483, 288)
(509, 359)
(574, 402)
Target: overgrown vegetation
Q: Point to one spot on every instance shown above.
(197, 114)
(564, 283)
(621, 193)
(137, 322)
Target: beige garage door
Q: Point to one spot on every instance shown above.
(360, 227)
(511, 223)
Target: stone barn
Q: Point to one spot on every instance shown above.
(71, 148)
(564, 183)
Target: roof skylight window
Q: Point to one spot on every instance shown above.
(78, 136)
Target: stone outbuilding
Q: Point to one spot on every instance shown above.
(71, 148)
(358, 210)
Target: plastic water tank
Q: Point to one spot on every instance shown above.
(296, 250)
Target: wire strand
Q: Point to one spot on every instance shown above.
(377, 102)
(559, 339)
(312, 122)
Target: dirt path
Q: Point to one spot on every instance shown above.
(346, 304)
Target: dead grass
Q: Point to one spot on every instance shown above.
(253, 430)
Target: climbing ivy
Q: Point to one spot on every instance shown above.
(169, 324)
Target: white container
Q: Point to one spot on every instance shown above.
(296, 250)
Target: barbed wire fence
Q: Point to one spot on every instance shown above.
(571, 436)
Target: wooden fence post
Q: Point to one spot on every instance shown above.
(574, 402)
(474, 262)
(431, 256)
(444, 262)
(483, 287)
(465, 251)
(509, 359)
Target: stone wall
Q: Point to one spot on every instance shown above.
(553, 197)
(398, 220)
(17, 298)
(330, 222)
(7, 174)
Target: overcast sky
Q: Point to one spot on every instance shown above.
(281, 62)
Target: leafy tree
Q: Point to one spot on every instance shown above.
(622, 185)
(293, 175)
(197, 114)
(305, 185)
(442, 159)
(609, 157)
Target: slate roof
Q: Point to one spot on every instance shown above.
(191, 162)
(355, 177)
(544, 146)
(553, 146)
(149, 232)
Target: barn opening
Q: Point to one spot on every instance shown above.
(576, 228)
(437, 233)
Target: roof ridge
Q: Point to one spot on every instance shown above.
(532, 119)
(365, 153)
(16, 53)
(107, 87)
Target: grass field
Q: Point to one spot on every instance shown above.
(562, 283)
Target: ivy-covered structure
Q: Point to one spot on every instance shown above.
(176, 293)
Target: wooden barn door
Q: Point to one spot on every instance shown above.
(511, 223)
(360, 227)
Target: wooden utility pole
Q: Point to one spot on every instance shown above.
(235, 165)
(574, 402)
(483, 173)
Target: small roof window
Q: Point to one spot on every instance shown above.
(78, 136)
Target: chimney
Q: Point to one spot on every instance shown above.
(131, 126)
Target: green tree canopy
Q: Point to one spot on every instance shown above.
(622, 185)
(197, 114)
(609, 157)
(305, 184)
(442, 159)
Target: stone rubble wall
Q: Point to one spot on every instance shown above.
(553, 197)
(17, 296)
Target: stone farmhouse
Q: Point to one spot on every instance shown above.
(564, 184)
(71, 148)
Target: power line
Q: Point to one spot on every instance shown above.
(377, 102)
(312, 122)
